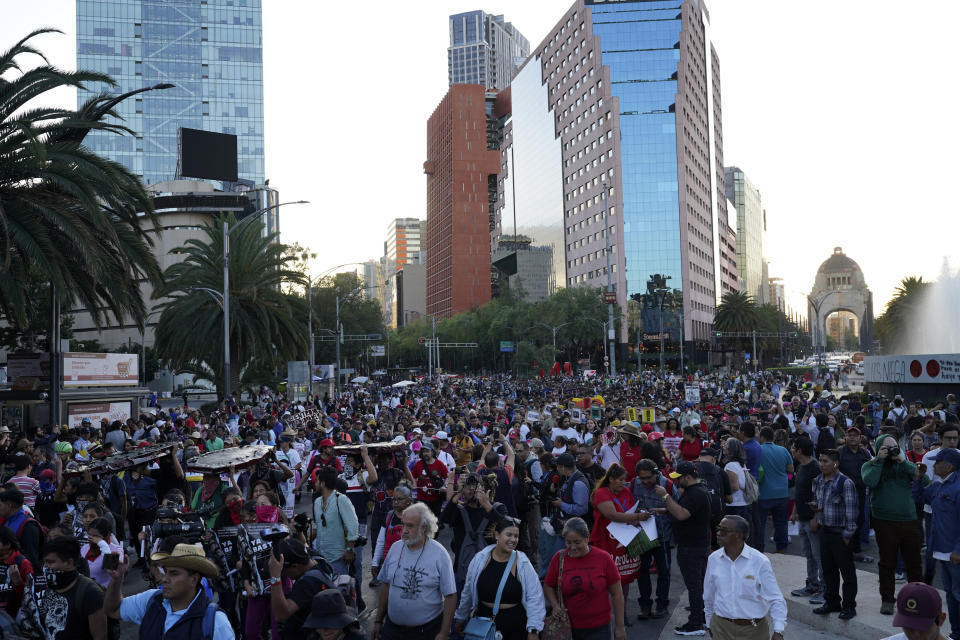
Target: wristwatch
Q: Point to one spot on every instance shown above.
(274, 580)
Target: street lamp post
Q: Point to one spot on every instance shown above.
(662, 292)
(612, 369)
(227, 230)
(817, 303)
(554, 330)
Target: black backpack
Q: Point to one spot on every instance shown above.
(713, 482)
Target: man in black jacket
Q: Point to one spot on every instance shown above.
(717, 483)
(852, 458)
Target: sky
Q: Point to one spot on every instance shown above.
(842, 114)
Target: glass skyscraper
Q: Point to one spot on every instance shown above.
(484, 50)
(210, 49)
(630, 93)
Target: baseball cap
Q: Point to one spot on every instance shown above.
(950, 456)
(536, 443)
(326, 442)
(918, 606)
(685, 469)
(427, 445)
(854, 430)
(708, 451)
(566, 460)
(441, 435)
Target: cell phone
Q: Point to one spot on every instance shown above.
(111, 561)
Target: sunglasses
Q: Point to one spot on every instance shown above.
(323, 519)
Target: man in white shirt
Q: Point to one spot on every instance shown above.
(740, 589)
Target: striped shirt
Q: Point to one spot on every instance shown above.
(29, 487)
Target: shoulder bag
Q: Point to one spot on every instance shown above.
(481, 628)
(557, 625)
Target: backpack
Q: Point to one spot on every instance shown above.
(899, 417)
(209, 616)
(43, 530)
(751, 488)
(714, 484)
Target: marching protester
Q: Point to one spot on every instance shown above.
(180, 608)
(419, 595)
(583, 586)
(644, 489)
(501, 584)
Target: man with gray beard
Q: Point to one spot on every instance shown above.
(419, 594)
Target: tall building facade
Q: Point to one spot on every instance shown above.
(484, 50)
(616, 146)
(211, 50)
(751, 234)
(461, 168)
(404, 242)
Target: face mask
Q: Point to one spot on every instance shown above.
(58, 578)
(235, 509)
(267, 513)
(349, 471)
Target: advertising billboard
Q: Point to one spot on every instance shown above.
(28, 367)
(937, 368)
(101, 370)
(208, 154)
(96, 411)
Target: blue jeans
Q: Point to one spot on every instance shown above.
(951, 585)
(811, 550)
(777, 507)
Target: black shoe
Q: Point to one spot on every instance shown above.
(644, 614)
(659, 613)
(825, 609)
(846, 614)
(690, 629)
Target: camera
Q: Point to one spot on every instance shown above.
(188, 530)
(360, 542)
(893, 452)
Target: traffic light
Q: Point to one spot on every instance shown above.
(421, 340)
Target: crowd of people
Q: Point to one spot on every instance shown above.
(559, 494)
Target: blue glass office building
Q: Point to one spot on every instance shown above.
(633, 98)
(210, 49)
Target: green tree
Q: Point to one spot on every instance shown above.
(79, 219)
(893, 326)
(358, 315)
(267, 326)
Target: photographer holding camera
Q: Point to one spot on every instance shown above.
(291, 559)
(889, 476)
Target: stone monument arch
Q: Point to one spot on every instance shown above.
(840, 286)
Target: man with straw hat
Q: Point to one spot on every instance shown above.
(180, 609)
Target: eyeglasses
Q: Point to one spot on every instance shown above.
(323, 519)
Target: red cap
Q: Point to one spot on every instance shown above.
(647, 428)
(143, 444)
(48, 474)
(855, 430)
(918, 606)
(326, 442)
(656, 435)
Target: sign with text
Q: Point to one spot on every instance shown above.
(28, 366)
(691, 393)
(96, 411)
(378, 351)
(506, 346)
(101, 370)
(934, 368)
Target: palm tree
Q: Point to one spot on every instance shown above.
(264, 321)
(893, 326)
(80, 220)
(736, 312)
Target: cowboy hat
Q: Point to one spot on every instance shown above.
(288, 433)
(629, 430)
(188, 556)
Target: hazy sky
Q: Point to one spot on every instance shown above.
(843, 114)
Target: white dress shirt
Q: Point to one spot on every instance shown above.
(745, 588)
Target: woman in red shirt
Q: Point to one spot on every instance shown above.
(690, 446)
(589, 582)
(917, 449)
(611, 501)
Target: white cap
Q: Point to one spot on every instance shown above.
(441, 435)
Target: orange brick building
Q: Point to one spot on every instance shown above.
(459, 167)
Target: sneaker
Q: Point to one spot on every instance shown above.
(644, 614)
(886, 608)
(824, 610)
(817, 599)
(846, 614)
(660, 613)
(900, 576)
(805, 591)
(690, 629)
